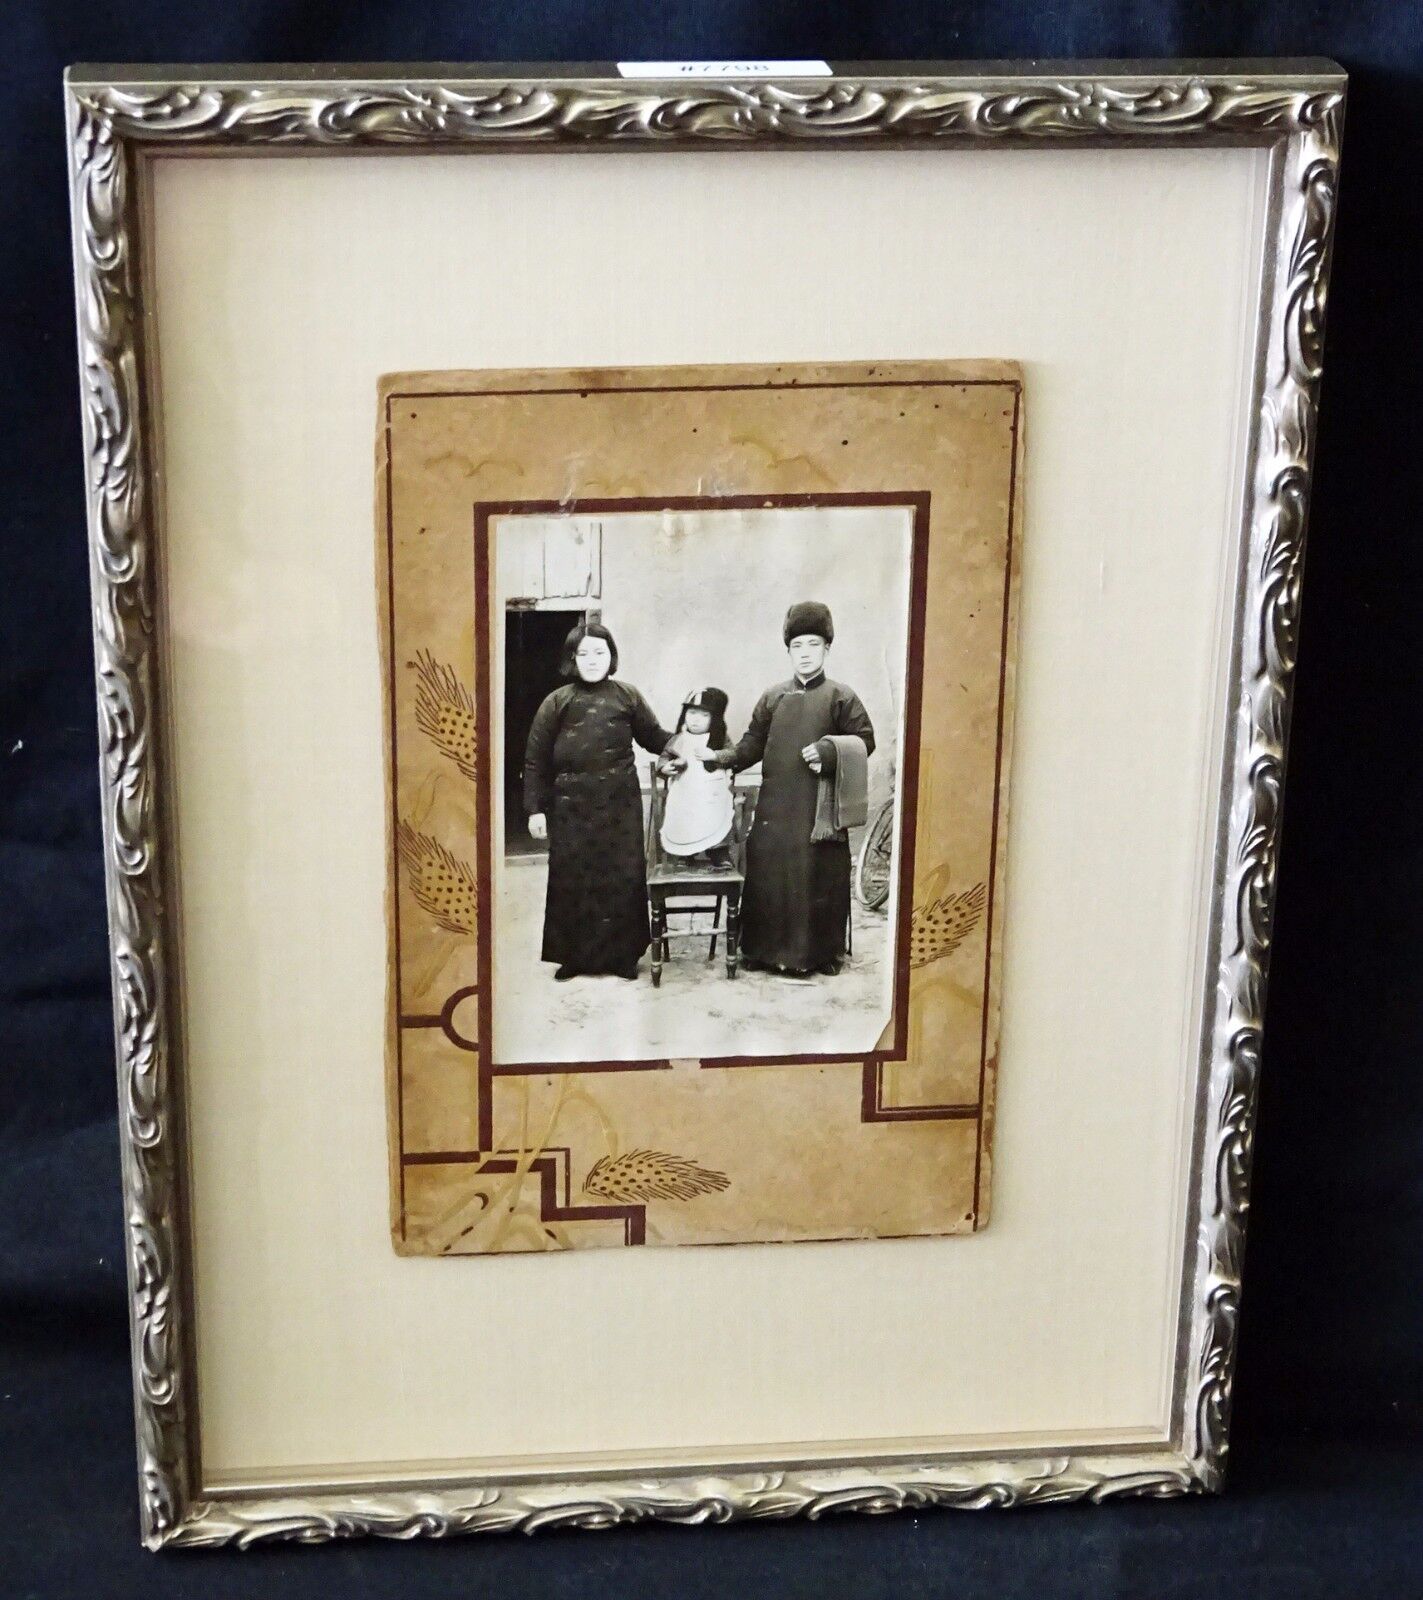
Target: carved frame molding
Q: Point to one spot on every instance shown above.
(117, 119)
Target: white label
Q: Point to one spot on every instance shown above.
(724, 69)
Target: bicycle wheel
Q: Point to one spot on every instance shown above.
(876, 860)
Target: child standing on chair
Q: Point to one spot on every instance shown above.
(697, 818)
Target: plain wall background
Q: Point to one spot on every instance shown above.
(694, 601)
(1325, 1482)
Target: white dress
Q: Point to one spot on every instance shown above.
(699, 807)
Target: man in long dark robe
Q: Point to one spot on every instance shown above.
(796, 904)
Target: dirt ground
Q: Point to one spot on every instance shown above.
(697, 1012)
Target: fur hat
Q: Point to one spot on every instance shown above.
(809, 616)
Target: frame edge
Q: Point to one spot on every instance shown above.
(113, 394)
(1290, 364)
(1298, 111)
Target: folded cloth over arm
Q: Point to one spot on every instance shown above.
(842, 798)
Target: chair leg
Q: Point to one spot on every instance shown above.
(659, 943)
(733, 932)
(716, 923)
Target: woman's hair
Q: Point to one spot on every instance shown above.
(714, 703)
(587, 630)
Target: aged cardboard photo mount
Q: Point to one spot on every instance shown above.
(1149, 245)
(888, 1134)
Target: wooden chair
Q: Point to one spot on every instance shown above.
(716, 889)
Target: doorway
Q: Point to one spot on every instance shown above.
(533, 647)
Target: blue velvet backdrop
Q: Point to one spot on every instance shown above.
(1326, 1479)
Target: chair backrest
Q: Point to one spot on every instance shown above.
(743, 814)
(655, 812)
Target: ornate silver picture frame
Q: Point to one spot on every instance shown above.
(120, 121)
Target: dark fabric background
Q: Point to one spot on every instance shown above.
(1326, 1480)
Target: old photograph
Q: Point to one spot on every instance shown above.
(700, 709)
(698, 690)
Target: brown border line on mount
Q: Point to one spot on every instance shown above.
(548, 1164)
(917, 502)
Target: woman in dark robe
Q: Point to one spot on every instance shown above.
(581, 793)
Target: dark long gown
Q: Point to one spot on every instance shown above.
(797, 898)
(579, 771)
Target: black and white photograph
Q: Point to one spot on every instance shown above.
(700, 718)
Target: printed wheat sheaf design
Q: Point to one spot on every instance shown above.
(441, 883)
(938, 928)
(444, 710)
(651, 1175)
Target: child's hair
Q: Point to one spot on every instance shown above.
(714, 702)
